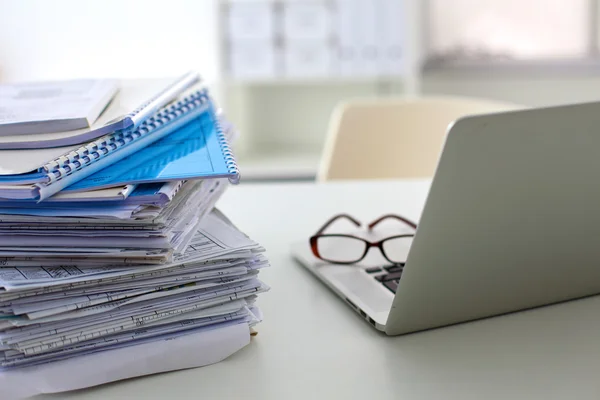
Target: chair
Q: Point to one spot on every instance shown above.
(393, 138)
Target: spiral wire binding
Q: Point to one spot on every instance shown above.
(92, 152)
(232, 167)
(177, 188)
(132, 115)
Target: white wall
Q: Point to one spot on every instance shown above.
(56, 39)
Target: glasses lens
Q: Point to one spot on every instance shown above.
(340, 248)
(396, 249)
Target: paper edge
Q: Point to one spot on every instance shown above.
(212, 346)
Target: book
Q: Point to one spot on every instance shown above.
(55, 106)
(74, 115)
(86, 160)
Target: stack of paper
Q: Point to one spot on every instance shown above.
(58, 312)
(125, 232)
(130, 252)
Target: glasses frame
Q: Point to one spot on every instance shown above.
(313, 240)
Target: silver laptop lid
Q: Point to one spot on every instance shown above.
(512, 220)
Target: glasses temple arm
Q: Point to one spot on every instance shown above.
(335, 218)
(388, 216)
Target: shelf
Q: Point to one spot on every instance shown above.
(518, 69)
(324, 80)
(279, 166)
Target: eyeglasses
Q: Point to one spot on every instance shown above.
(350, 249)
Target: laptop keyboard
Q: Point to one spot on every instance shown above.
(388, 275)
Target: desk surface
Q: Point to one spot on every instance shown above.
(311, 345)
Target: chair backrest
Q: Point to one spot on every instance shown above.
(393, 138)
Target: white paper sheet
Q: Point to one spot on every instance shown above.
(82, 233)
(51, 273)
(204, 347)
(120, 212)
(77, 241)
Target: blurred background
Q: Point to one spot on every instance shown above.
(279, 67)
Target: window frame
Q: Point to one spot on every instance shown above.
(588, 64)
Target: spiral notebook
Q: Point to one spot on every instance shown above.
(188, 153)
(81, 162)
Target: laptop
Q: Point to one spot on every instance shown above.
(511, 222)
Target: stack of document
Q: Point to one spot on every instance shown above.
(56, 312)
(107, 236)
(110, 239)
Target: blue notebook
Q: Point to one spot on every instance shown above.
(197, 150)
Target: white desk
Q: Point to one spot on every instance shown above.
(311, 345)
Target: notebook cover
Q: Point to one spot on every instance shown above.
(196, 150)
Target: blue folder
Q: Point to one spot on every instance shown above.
(197, 150)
